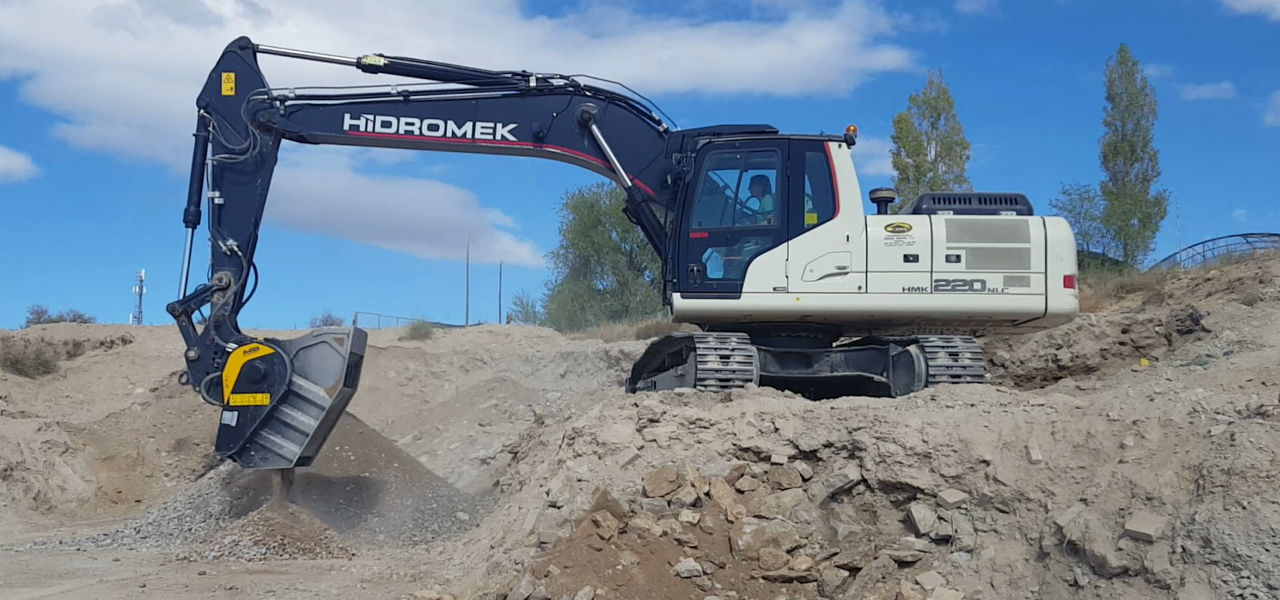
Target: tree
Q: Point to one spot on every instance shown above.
(40, 315)
(1082, 206)
(327, 319)
(1133, 211)
(524, 310)
(603, 270)
(930, 152)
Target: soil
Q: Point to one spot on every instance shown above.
(507, 462)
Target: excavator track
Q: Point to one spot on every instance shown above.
(724, 361)
(953, 359)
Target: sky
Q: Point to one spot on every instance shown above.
(96, 116)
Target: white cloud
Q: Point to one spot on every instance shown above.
(122, 75)
(1271, 116)
(1240, 215)
(1223, 90)
(321, 190)
(1267, 8)
(1157, 70)
(976, 7)
(15, 166)
(871, 156)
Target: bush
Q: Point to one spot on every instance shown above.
(328, 319)
(27, 358)
(40, 315)
(419, 330)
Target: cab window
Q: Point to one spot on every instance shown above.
(819, 190)
(738, 189)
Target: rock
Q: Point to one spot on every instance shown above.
(1087, 530)
(1034, 455)
(747, 483)
(943, 531)
(780, 505)
(853, 561)
(917, 544)
(688, 540)
(772, 559)
(750, 535)
(661, 481)
(689, 517)
(951, 498)
(644, 523)
(907, 591)
(930, 579)
(830, 578)
(842, 480)
(687, 568)
(1071, 515)
(428, 595)
(941, 593)
(1128, 442)
(551, 571)
(606, 525)
(875, 573)
(586, 593)
(704, 583)
(684, 497)
(735, 473)
(524, 588)
(540, 593)
(785, 477)
(670, 526)
(778, 459)
(959, 559)
(697, 481)
(805, 471)
(904, 556)
(922, 518)
(546, 537)
(789, 576)
(1145, 526)
(603, 499)
(801, 563)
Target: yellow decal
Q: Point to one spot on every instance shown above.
(810, 219)
(898, 227)
(235, 362)
(229, 84)
(249, 400)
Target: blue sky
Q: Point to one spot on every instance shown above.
(96, 115)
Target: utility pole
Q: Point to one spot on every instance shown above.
(466, 320)
(499, 292)
(139, 289)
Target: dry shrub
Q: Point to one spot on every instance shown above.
(419, 330)
(632, 330)
(1101, 289)
(30, 358)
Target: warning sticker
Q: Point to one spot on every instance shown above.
(249, 400)
(229, 84)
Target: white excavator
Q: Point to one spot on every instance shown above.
(764, 243)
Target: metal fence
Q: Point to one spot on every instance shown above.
(373, 320)
(1219, 248)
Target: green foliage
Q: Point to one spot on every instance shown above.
(40, 315)
(930, 152)
(524, 310)
(603, 270)
(419, 330)
(327, 319)
(1133, 211)
(1082, 206)
(28, 358)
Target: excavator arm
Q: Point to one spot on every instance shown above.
(280, 398)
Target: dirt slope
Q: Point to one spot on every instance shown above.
(505, 462)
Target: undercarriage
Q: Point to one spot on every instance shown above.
(813, 362)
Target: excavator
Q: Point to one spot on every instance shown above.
(763, 239)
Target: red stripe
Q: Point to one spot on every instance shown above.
(698, 234)
(574, 153)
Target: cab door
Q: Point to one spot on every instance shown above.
(735, 221)
(826, 251)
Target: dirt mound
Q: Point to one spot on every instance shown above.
(276, 531)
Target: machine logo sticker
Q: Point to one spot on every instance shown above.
(898, 227)
(428, 128)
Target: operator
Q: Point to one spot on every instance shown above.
(762, 191)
